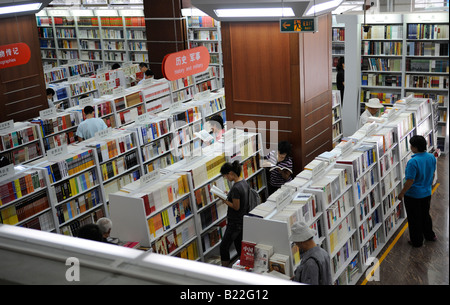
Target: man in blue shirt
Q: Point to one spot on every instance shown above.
(90, 125)
(416, 192)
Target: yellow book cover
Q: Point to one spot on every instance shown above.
(104, 172)
(151, 227)
(114, 168)
(190, 250)
(185, 184)
(65, 212)
(181, 190)
(183, 254)
(18, 191)
(73, 188)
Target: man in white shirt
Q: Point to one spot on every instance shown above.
(90, 125)
(373, 107)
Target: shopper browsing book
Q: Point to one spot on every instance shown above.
(374, 107)
(237, 202)
(279, 165)
(90, 125)
(416, 192)
(314, 268)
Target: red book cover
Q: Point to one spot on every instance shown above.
(247, 254)
(146, 205)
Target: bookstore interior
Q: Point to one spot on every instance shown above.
(155, 170)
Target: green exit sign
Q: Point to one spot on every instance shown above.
(298, 25)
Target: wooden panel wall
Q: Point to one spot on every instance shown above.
(283, 78)
(165, 29)
(22, 88)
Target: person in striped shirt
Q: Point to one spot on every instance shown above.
(280, 166)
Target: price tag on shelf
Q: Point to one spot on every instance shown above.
(103, 133)
(47, 113)
(6, 127)
(57, 152)
(150, 177)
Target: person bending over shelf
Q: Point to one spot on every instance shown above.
(105, 225)
(237, 202)
(115, 66)
(216, 127)
(416, 192)
(90, 125)
(279, 165)
(147, 74)
(90, 231)
(314, 268)
(373, 109)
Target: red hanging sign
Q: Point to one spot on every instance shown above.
(184, 63)
(15, 54)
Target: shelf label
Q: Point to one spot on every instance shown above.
(105, 133)
(7, 172)
(74, 79)
(47, 113)
(6, 127)
(143, 118)
(298, 25)
(14, 54)
(72, 62)
(118, 91)
(150, 177)
(185, 63)
(57, 152)
(101, 70)
(86, 101)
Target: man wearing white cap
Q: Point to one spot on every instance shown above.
(314, 268)
(373, 106)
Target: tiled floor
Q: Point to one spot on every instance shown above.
(428, 265)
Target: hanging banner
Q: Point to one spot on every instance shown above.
(184, 63)
(15, 54)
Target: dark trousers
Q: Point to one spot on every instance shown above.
(233, 234)
(419, 219)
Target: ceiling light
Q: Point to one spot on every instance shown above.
(20, 8)
(323, 7)
(255, 12)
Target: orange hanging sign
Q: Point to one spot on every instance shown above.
(15, 54)
(184, 63)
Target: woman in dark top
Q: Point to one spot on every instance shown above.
(282, 159)
(237, 202)
(340, 77)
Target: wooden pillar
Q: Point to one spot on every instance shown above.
(22, 88)
(166, 31)
(284, 78)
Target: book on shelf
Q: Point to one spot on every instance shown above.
(247, 258)
(261, 256)
(280, 263)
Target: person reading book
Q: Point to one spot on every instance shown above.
(90, 125)
(237, 202)
(314, 268)
(215, 126)
(280, 166)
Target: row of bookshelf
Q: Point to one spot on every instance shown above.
(94, 33)
(352, 193)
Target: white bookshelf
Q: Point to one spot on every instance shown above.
(88, 35)
(362, 213)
